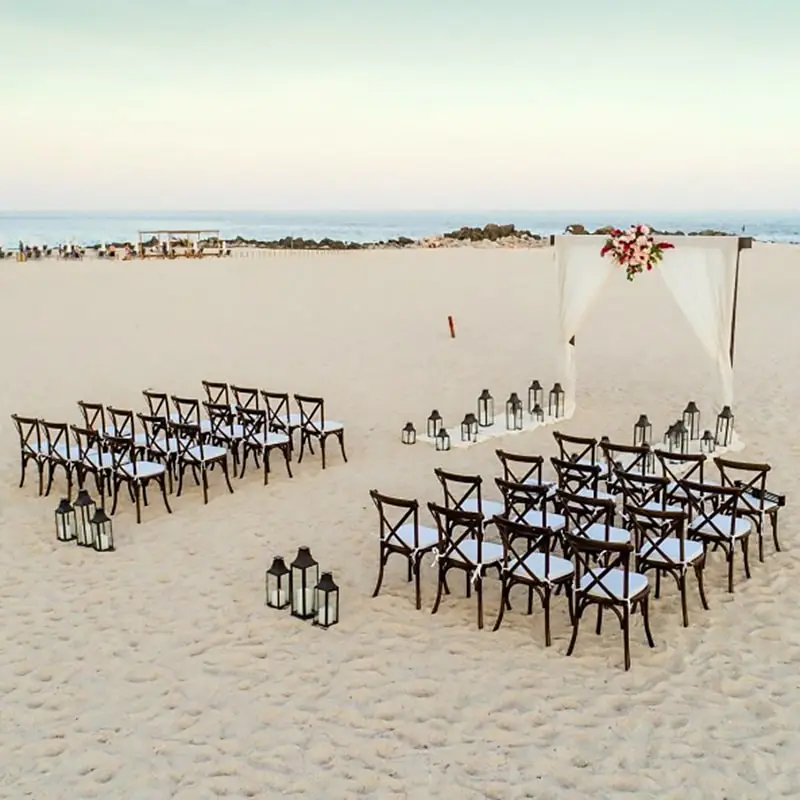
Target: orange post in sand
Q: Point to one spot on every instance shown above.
(452, 325)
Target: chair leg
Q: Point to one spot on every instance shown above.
(576, 621)
(479, 593)
(773, 518)
(50, 475)
(40, 469)
(23, 464)
(224, 464)
(116, 495)
(163, 484)
(646, 621)
(626, 636)
(599, 627)
(684, 605)
(265, 457)
(546, 606)
(729, 551)
(658, 584)
(698, 571)
(245, 455)
(439, 590)
(303, 438)
(181, 471)
(322, 441)
(137, 496)
(381, 565)
(287, 455)
(204, 478)
(506, 588)
(417, 588)
(746, 555)
(340, 437)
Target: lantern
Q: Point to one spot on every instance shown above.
(102, 531)
(303, 577)
(642, 431)
(485, 409)
(277, 582)
(513, 413)
(84, 509)
(535, 396)
(434, 423)
(537, 413)
(443, 440)
(668, 434)
(555, 401)
(691, 419)
(724, 427)
(409, 434)
(469, 428)
(707, 443)
(327, 601)
(66, 522)
(679, 441)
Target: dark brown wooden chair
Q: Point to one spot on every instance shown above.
(528, 561)
(662, 546)
(32, 447)
(122, 425)
(756, 501)
(678, 467)
(135, 472)
(161, 444)
(94, 417)
(527, 504)
(591, 518)
(643, 491)
(159, 406)
(462, 546)
(281, 418)
(217, 393)
(62, 453)
(258, 441)
(583, 479)
(93, 459)
(401, 534)
(578, 449)
(224, 431)
(465, 493)
(715, 519)
(603, 577)
(199, 456)
(244, 397)
(187, 413)
(314, 426)
(631, 458)
(519, 468)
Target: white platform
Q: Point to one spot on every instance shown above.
(493, 432)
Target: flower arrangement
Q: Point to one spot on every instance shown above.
(635, 249)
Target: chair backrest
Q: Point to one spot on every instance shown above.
(457, 528)
(277, 405)
(30, 435)
(94, 416)
(597, 559)
(58, 440)
(217, 392)
(640, 490)
(254, 425)
(312, 412)
(157, 403)
(221, 418)
(187, 409)
(89, 443)
(584, 514)
(460, 488)
(713, 508)
(157, 432)
(522, 498)
(121, 420)
(519, 541)
(395, 513)
(750, 477)
(631, 458)
(654, 530)
(576, 448)
(518, 468)
(190, 443)
(577, 478)
(245, 397)
(122, 452)
(676, 467)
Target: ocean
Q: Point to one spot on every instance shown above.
(53, 228)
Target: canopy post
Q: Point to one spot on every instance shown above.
(745, 243)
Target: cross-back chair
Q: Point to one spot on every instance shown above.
(401, 534)
(161, 444)
(527, 503)
(715, 519)
(62, 453)
(187, 412)
(577, 449)
(756, 501)
(281, 417)
(122, 425)
(159, 406)
(643, 491)
(217, 393)
(314, 426)
(94, 417)
(603, 577)
(577, 478)
(245, 397)
(32, 447)
(521, 468)
(225, 431)
(591, 518)
(528, 561)
(199, 456)
(465, 493)
(461, 545)
(679, 467)
(634, 459)
(93, 459)
(260, 441)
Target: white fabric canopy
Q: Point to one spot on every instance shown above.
(700, 272)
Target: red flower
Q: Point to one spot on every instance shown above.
(665, 246)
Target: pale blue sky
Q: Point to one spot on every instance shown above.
(317, 104)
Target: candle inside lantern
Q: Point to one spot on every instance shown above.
(103, 541)
(277, 598)
(326, 615)
(308, 607)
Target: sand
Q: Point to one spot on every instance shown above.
(157, 672)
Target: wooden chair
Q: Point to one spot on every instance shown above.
(218, 393)
(313, 425)
(528, 561)
(225, 431)
(526, 504)
(187, 412)
(122, 425)
(716, 519)
(643, 491)
(461, 546)
(678, 467)
(136, 473)
(94, 417)
(661, 545)
(635, 460)
(603, 577)
(200, 456)
(577, 449)
(158, 405)
(93, 459)
(259, 441)
(161, 444)
(246, 398)
(401, 534)
(518, 468)
(62, 453)
(756, 501)
(591, 518)
(281, 420)
(583, 479)
(32, 447)
(465, 493)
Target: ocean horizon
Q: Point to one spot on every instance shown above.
(92, 227)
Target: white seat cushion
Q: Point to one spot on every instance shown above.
(491, 552)
(656, 505)
(69, 452)
(535, 562)
(554, 521)
(289, 420)
(142, 469)
(100, 460)
(669, 552)
(755, 506)
(270, 440)
(597, 496)
(427, 537)
(597, 532)
(489, 508)
(722, 525)
(209, 452)
(614, 582)
(229, 431)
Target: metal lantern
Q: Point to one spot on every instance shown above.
(469, 428)
(66, 521)
(409, 434)
(679, 443)
(443, 440)
(691, 419)
(535, 396)
(668, 435)
(102, 531)
(303, 577)
(326, 601)
(485, 409)
(434, 423)
(555, 401)
(642, 431)
(724, 427)
(84, 509)
(707, 443)
(537, 413)
(277, 583)
(513, 413)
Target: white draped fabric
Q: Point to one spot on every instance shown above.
(700, 272)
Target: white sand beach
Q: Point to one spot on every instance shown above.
(157, 671)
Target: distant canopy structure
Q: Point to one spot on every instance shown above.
(174, 243)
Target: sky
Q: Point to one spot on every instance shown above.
(399, 104)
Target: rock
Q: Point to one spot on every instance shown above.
(576, 230)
